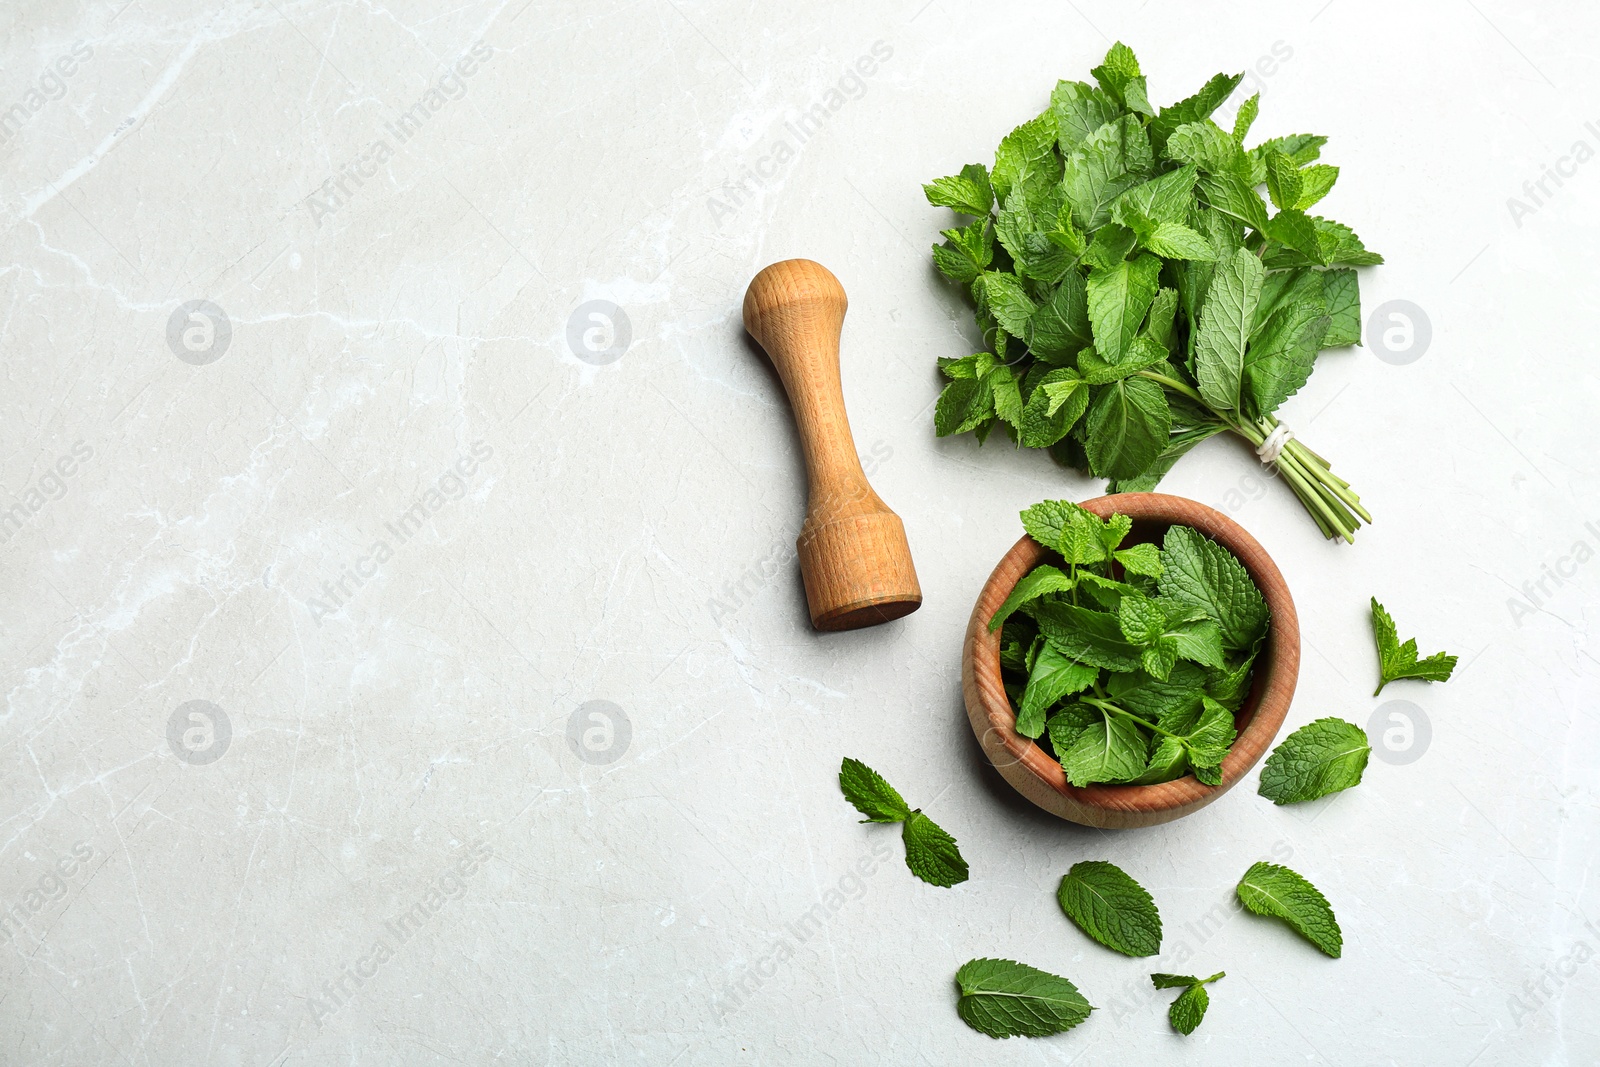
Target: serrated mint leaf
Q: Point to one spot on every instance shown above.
(1110, 161)
(1007, 395)
(1163, 199)
(872, 796)
(1086, 636)
(1341, 293)
(1245, 117)
(931, 853)
(1199, 641)
(1140, 559)
(1008, 301)
(1036, 583)
(1057, 403)
(1190, 1007)
(1201, 572)
(1268, 889)
(1168, 760)
(1301, 148)
(1067, 528)
(1321, 757)
(1204, 145)
(966, 404)
(1120, 77)
(1159, 700)
(1338, 244)
(1294, 229)
(1235, 197)
(1118, 298)
(1080, 109)
(1396, 660)
(1141, 619)
(1209, 741)
(1111, 908)
(1026, 156)
(1003, 998)
(1065, 725)
(1174, 240)
(1315, 183)
(1112, 750)
(1053, 676)
(1060, 327)
(1281, 357)
(1193, 108)
(967, 192)
(1283, 181)
(1127, 428)
(1225, 325)
(1111, 244)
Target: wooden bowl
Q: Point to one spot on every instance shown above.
(1032, 771)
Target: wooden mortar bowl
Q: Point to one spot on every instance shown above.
(1031, 770)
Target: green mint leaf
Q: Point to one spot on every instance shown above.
(1212, 736)
(968, 192)
(1080, 109)
(1140, 559)
(1281, 358)
(1169, 760)
(1112, 750)
(966, 404)
(1118, 298)
(1061, 325)
(1174, 240)
(1159, 324)
(872, 796)
(1268, 889)
(1315, 183)
(1067, 528)
(1008, 301)
(1236, 198)
(1284, 181)
(1206, 146)
(1337, 244)
(1036, 583)
(1086, 636)
(1199, 641)
(1120, 77)
(1396, 660)
(1163, 199)
(1003, 998)
(1113, 531)
(1294, 229)
(1111, 245)
(1053, 676)
(967, 251)
(1341, 293)
(1142, 354)
(1225, 325)
(1321, 757)
(1111, 161)
(931, 853)
(1159, 657)
(1200, 572)
(1007, 395)
(1245, 118)
(1231, 685)
(1193, 108)
(1111, 908)
(1026, 157)
(1301, 148)
(1127, 428)
(1190, 1007)
(1057, 403)
(1065, 726)
(1141, 619)
(1166, 701)
(974, 366)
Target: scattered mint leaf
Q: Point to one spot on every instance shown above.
(1321, 757)
(1111, 908)
(1189, 1009)
(1396, 660)
(931, 853)
(872, 796)
(1003, 998)
(1268, 889)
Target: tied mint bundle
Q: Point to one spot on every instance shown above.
(1136, 294)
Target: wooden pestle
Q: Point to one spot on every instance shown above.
(853, 551)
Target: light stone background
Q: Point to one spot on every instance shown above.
(592, 881)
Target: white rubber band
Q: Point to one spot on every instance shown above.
(1272, 447)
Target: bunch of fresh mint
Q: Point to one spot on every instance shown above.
(1136, 295)
(1129, 662)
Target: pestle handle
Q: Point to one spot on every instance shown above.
(853, 551)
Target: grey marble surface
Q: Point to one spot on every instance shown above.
(404, 665)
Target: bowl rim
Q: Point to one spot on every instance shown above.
(1031, 770)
